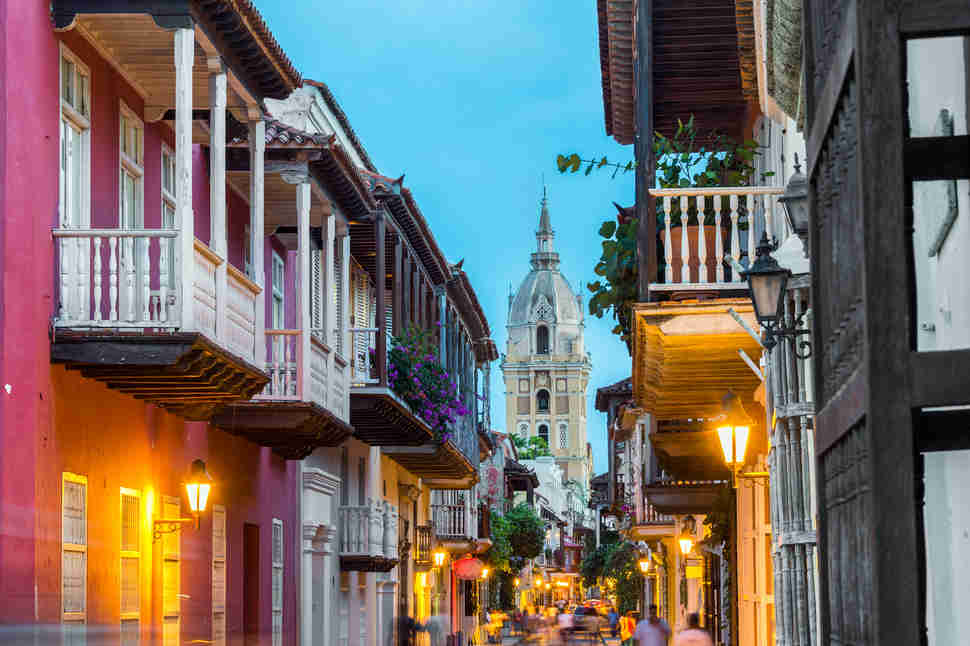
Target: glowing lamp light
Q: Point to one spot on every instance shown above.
(644, 564)
(439, 558)
(686, 544)
(562, 584)
(197, 487)
(538, 581)
(516, 582)
(740, 435)
(484, 572)
(548, 585)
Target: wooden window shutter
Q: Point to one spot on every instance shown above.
(218, 575)
(171, 575)
(277, 582)
(316, 280)
(338, 295)
(74, 548)
(130, 563)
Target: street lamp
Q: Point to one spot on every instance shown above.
(538, 581)
(484, 572)
(767, 281)
(686, 539)
(795, 202)
(515, 582)
(733, 431)
(439, 557)
(644, 564)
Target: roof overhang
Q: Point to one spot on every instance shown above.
(684, 497)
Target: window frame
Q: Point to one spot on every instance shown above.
(539, 432)
(133, 166)
(82, 123)
(548, 398)
(168, 196)
(562, 434)
(539, 346)
(278, 290)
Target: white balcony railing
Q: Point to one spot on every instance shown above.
(369, 530)
(699, 256)
(325, 381)
(452, 514)
(117, 278)
(363, 341)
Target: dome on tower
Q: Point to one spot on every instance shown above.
(545, 294)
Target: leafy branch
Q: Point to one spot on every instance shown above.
(573, 162)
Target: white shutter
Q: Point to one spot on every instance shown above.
(277, 582)
(316, 305)
(362, 319)
(338, 295)
(74, 550)
(218, 575)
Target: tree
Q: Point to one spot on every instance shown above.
(527, 532)
(498, 555)
(531, 448)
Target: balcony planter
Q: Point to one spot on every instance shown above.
(693, 258)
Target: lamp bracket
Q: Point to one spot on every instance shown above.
(774, 331)
(162, 526)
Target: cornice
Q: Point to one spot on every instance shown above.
(320, 481)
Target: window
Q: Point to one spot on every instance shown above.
(544, 433)
(168, 211)
(523, 430)
(361, 480)
(218, 575)
(131, 142)
(277, 582)
(75, 136)
(338, 294)
(316, 289)
(542, 340)
(563, 436)
(74, 552)
(542, 401)
(171, 575)
(130, 566)
(279, 272)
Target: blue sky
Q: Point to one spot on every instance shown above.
(473, 99)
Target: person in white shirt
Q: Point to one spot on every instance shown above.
(652, 631)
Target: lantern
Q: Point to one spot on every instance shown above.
(795, 202)
(197, 487)
(644, 564)
(733, 431)
(439, 557)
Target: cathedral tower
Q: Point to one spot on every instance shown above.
(545, 366)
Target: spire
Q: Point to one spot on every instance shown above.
(545, 256)
(544, 225)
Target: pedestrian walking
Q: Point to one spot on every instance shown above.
(614, 620)
(627, 626)
(652, 631)
(693, 635)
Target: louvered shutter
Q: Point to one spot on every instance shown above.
(316, 302)
(277, 582)
(338, 295)
(130, 566)
(362, 319)
(218, 575)
(74, 548)
(171, 575)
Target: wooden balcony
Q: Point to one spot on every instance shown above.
(123, 320)
(654, 524)
(368, 537)
(423, 547)
(456, 521)
(304, 404)
(704, 259)
(684, 496)
(381, 418)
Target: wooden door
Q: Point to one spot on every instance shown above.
(251, 583)
(874, 384)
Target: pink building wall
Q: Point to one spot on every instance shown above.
(53, 420)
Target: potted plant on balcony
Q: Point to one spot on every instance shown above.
(418, 378)
(692, 159)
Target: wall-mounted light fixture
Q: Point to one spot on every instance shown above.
(686, 539)
(197, 488)
(439, 557)
(767, 281)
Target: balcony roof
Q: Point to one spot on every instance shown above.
(381, 418)
(441, 466)
(293, 429)
(185, 373)
(685, 357)
(684, 496)
(702, 58)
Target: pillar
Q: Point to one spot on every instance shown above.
(185, 218)
(353, 608)
(374, 492)
(328, 289)
(439, 297)
(303, 287)
(344, 244)
(257, 148)
(380, 227)
(396, 297)
(217, 189)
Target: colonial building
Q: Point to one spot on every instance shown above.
(545, 366)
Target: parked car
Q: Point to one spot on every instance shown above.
(585, 618)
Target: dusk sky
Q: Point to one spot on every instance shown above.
(473, 100)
